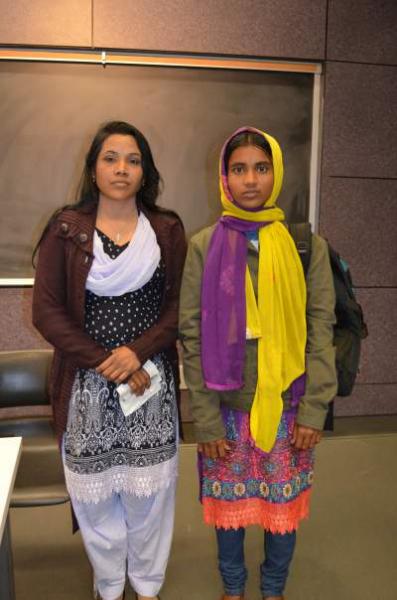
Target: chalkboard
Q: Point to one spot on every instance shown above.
(49, 113)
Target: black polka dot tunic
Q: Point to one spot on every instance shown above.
(104, 451)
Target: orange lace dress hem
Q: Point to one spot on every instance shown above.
(251, 487)
(277, 518)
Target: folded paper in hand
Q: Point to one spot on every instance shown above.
(129, 401)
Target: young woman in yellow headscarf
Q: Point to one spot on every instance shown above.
(259, 363)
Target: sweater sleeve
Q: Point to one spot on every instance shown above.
(50, 315)
(205, 403)
(321, 380)
(164, 332)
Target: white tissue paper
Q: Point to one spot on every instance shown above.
(129, 401)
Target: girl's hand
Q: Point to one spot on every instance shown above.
(120, 365)
(305, 437)
(216, 449)
(139, 382)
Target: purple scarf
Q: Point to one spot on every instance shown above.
(223, 315)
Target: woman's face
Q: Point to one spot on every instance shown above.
(118, 170)
(250, 176)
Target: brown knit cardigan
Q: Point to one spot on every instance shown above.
(65, 258)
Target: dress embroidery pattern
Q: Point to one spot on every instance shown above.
(104, 451)
(249, 486)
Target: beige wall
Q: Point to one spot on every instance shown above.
(358, 205)
(358, 211)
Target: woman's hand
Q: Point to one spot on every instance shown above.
(216, 449)
(120, 365)
(139, 382)
(305, 437)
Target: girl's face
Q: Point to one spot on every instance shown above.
(250, 176)
(118, 170)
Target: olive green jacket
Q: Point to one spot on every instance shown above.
(320, 353)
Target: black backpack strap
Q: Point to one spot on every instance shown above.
(302, 236)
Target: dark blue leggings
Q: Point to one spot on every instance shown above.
(279, 550)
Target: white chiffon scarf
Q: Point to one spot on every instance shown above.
(130, 270)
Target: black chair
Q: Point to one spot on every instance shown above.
(25, 411)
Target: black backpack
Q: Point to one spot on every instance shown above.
(350, 327)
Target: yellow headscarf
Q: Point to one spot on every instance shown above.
(278, 318)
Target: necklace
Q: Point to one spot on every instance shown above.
(118, 235)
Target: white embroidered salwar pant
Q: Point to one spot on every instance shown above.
(128, 534)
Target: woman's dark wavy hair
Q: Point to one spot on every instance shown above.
(87, 195)
(246, 138)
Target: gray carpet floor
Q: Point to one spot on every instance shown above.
(347, 550)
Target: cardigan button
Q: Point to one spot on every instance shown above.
(64, 227)
(83, 237)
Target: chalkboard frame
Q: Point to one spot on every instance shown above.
(159, 60)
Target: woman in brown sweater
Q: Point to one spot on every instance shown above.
(106, 297)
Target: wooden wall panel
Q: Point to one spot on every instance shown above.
(46, 23)
(363, 31)
(379, 350)
(360, 125)
(17, 331)
(359, 217)
(358, 212)
(373, 399)
(274, 28)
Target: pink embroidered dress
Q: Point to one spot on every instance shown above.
(250, 487)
